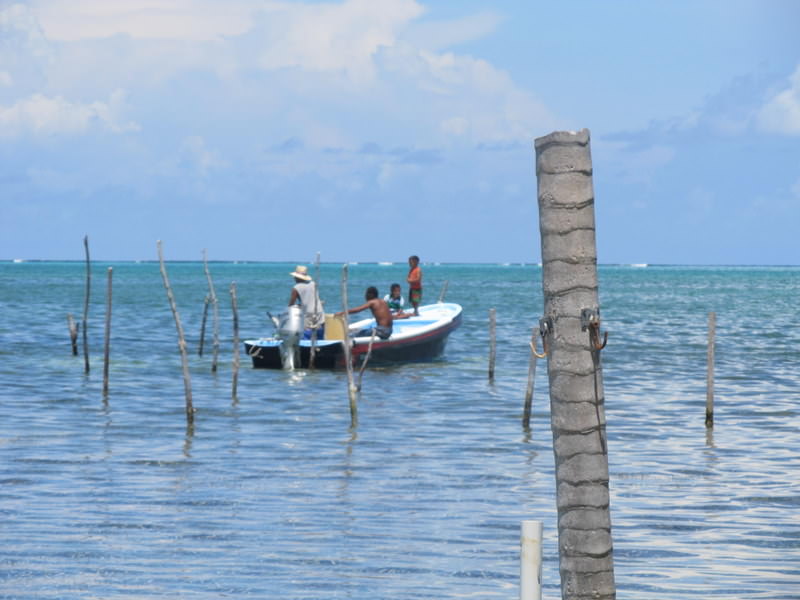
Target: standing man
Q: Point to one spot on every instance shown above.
(305, 291)
(414, 283)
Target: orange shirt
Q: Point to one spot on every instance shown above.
(415, 278)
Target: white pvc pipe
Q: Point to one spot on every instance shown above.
(530, 563)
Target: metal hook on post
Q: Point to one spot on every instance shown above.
(590, 320)
(545, 328)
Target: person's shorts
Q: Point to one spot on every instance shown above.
(415, 296)
(320, 333)
(380, 331)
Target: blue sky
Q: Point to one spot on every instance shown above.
(370, 130)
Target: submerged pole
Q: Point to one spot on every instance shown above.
(235, 310)
(107, 345)
(444, 291)
(312, 355)
(366, 360)
(530, 561)
(203, 327)
(187, 383)
(492, 341)
(214, 312)
(86, 306)
(348, 360)
(577, 412)
(526, 413)
(73, 333)
(712, 331)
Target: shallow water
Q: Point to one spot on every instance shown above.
(273, 496)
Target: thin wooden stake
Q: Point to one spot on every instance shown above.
(107, 345)
(203, 327)
(215, 313)
(235, 308)
(444, 291)
(313, 353)
(86, 306)
(492, 341)
(351, 388)
(366, 359)
(712, 331)
(187, 383)
(73, 333)
(526, 414)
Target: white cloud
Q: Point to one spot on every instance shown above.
(188, 20)
(781, 114)
(40, 115)
(5, 79)
(336, 37)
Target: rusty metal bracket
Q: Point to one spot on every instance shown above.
(545, 329)
(590, 321)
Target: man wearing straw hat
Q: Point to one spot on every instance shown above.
(305, 291)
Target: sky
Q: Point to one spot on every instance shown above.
(369, 130)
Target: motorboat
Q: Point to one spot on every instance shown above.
(413, 339)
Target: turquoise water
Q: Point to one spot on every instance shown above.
(273, 496)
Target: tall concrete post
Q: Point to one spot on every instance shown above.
(571, 306)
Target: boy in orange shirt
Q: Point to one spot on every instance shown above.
(414, 283)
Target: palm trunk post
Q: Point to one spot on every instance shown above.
(570, 286)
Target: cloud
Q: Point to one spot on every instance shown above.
(5, 79)
(781, 113)
(187, 20)
(40, 115)
(438, 35)
(339, 37)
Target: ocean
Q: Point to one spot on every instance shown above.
(272, 495)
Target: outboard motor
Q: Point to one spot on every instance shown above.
(290, 330)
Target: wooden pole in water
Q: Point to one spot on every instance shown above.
(577, 403)
(203, 327)
(187, 383)
(526, 414)
(492, 341)
(444, 291)
(107, 345)
(366, 360)
(312, 355)
(348, 360)
(73, 333)
(86, 306)
(214, 312)
(235, 309)
(530, 561)
(712, 331)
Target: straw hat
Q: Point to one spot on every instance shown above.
(301, 272)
